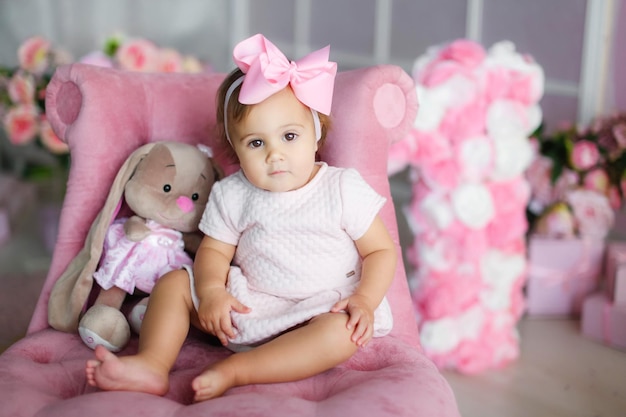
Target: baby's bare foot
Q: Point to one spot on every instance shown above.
(128, 373)
(213, 382)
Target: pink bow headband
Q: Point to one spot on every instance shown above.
(267, 71)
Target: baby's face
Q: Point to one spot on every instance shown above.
(276, 143)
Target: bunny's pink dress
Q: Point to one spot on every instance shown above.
(296, 255)
(128, 265)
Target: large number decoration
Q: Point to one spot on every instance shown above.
(467, 154)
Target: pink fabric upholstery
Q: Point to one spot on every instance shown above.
(103, 115)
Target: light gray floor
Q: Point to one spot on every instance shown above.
(559, 372)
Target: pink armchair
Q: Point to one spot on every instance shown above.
(103, 115)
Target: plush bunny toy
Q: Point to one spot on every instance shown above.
(166, 186)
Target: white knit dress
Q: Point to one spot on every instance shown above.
(295, 255)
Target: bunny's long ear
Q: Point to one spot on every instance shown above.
(71, 291)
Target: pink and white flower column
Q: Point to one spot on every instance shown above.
(467, 153)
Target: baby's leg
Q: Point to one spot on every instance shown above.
(320, 345)
(163, 331)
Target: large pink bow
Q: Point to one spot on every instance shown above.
(268, 71)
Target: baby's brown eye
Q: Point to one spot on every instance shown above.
(167, 188)
(195, 197)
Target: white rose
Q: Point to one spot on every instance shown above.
(473, 205)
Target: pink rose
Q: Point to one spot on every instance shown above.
(50, 140)
(138, 55)
(442, 174)
(584, 155)
(429, 146)
(593, 213)
(169, 60)
(468, 53)
(435, 158)
(509, 222)
(557, 221)
(597, 180)
(436, 73)
(464, 245)
(447, 294)
(503, 83)
(20, 123)
(459, 57)
(33, 54)
(22, 88)
(460, 123)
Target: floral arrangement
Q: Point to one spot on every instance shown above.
(578, 179)
(467, 155)
(30, 148)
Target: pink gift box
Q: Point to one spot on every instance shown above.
(615, 271)
(604, 321)
(561, 272)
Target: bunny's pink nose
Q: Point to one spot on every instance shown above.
(185, 204)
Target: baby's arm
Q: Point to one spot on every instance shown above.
(379, 265)
(210, 269)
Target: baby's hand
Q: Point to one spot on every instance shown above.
(214, 313)
(361, 318)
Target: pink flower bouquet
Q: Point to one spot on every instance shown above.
(22, 112)
(578, 179)
(28, 146)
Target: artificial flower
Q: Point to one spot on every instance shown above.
(473, 205)
(584, 155)
(597, 180)
(580, 171)
(138, 55)
(169, 60)
(33, 54)
(22, 88)
(23, 91)
(20, 124)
